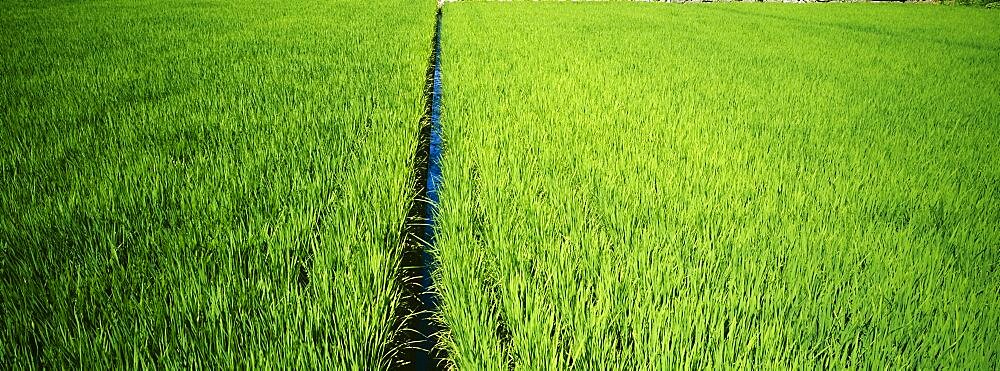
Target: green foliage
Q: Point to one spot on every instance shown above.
(205, 183)
(648, 186)
(983, 3)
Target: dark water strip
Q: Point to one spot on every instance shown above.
(434, 159)
(416, 344)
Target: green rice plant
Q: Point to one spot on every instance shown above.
(193, 184)
(657, 186)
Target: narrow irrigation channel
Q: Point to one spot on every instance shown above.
(415, 345)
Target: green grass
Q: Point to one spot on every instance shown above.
(656, 186)
(205, 183)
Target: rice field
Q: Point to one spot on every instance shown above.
(195, 184)
(653, 186)
(623, 186)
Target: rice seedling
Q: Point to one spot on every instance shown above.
(653, 186)
(205, 183)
